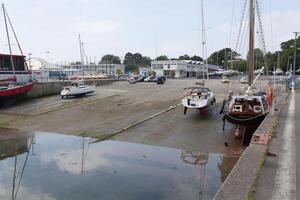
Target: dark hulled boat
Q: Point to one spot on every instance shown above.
(250, 108)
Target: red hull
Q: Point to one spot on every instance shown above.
(15, 91)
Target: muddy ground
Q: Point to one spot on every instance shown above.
(120, 104)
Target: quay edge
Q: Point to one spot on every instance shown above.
(240, 183)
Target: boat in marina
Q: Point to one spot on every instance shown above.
(15, 77)
(198, 98)
(251, 106)
(77, 88)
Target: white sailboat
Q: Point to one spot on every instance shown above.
(77, 88)
(199, 97)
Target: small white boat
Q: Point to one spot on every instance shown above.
(76, 89)
(197, 98)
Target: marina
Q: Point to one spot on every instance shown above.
(182, 119)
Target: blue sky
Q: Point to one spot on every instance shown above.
(152, 27)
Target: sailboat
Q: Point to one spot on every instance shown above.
(251, 107)
(199, 97)
(78, 88)
(15, 78)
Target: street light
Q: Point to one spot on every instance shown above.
(294, 67)
(29, 54)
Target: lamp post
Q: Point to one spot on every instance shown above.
(294, 67)
(29, 59)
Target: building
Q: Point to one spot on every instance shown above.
(181, 68)
(144, 71)
(95, 69)
(43, 70)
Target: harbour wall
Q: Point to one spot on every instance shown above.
(240, 183)
(42, 89)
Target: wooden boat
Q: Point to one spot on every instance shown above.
(250, 108)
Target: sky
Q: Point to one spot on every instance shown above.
(49, 29)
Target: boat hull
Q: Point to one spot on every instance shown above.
(75, 92)
(244, 120)
(15, 91)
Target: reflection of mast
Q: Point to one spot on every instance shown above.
(197, 158)
(84, 154)
(15, 189)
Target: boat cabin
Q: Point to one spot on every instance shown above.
(247, 104)
(197, 91)
(77, 84)
(18, 61)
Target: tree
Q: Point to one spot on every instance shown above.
(222, 57)
(271, 60)
(196, 58)
(287, 54)
(173, 73)
(184, 57)
(119, 72)
(162, 57)
(259, 59)
(134, 61)
(110, 59)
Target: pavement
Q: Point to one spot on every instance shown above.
(277, 178)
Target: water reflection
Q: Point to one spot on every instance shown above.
(51, 166)
(201, 159)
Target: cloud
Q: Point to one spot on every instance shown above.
(96, 27)
(71, 161)
(284, 24)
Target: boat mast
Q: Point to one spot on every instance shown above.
(251, 42)
(204, 59)
(8, 40)
(81, 54)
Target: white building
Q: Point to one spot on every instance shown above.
(181, 68)
(41, 69)
(93, 69)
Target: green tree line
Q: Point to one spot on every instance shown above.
(226, 58)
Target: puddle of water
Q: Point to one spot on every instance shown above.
(52, 166)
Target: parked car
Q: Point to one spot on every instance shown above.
(244, 80)
(225, 79)
(161, 80)
(150, 79)
(141, 79)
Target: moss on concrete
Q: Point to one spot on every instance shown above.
(253, 186)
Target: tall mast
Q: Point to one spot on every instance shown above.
(251, 42)
(203, 43)
(80, 49)
(81, 53)
(8, 40)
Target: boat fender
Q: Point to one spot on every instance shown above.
(270, 96)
